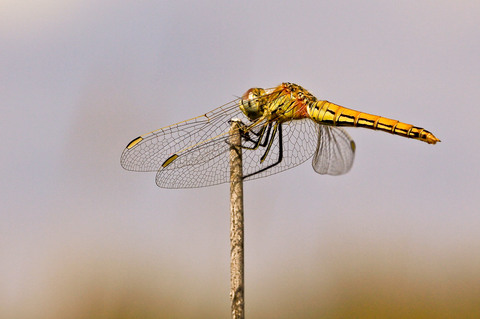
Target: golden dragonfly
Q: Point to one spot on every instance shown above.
(280, 128)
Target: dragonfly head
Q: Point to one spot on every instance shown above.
(251, 103)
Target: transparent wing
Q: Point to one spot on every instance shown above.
(212, 158)
(202, 165)
(148, 152)
(335, 151)
(299, 144)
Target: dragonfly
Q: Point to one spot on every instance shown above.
(279, 128)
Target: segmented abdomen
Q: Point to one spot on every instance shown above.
(326, 113)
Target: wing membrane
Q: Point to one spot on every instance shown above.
(335, 151)
(299, 144)
(155, 147)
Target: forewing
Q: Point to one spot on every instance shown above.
(148, 152)
(335, 151)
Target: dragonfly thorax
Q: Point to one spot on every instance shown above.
(286, 102)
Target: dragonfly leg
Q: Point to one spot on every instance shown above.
(259, 135)
(264, 156)
(245, 133)
(280, 150)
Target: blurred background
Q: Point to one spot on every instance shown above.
(397, 237)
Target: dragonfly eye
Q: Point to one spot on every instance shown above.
(251, 103)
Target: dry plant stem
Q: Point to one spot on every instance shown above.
(236, 225)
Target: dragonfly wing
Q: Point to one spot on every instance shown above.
(212, 158)
(335, 151)
(204, 165)
(299, 145)
(148, 152)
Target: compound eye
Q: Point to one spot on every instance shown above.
(253, 93)
(248, 95)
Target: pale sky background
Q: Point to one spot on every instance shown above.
(80, 79)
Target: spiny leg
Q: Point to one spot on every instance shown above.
(264, 156)
(259, 135)
(280, 150)
(245, 131)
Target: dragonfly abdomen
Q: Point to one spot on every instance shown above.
(326, 113)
